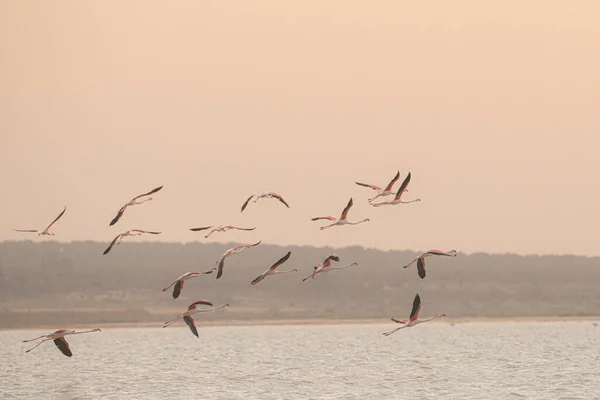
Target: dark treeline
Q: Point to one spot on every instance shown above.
(55, 283)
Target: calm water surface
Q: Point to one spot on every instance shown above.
(548, 360)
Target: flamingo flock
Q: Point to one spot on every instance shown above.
(326, 266)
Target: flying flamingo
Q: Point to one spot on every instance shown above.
(265, 195)
(397, 199)
(179, 281)
(381, 192)
(131, 232)
(230, 252)
(326, 268)
(273, 269)
(414, 315)
(342, 220)
(421, 259)
(327, 262)
(192, 309)
(133, 202)
(220, 228)
(59, 339)
(45, 231)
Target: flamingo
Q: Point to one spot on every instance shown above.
(191, 310)
(413, 319)
(326, 268)
(342, 220)
(230, 252)
(188, 275)
(220, 228)
(327, 262)
(45, 231)
(265, 195)
(59, 339)
(397, 199)
(421, 259)
(131, 232)
(273, 269)
(133, 202)
(381, 192)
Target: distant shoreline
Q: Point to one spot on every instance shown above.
(291, 322)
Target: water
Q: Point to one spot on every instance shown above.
(537, 360)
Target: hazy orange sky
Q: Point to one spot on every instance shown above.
(493, 106)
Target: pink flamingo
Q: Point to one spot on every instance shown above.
(397, 199)
(342, 220)
(188, 275)
(381, 192)
(193, 309)
(265, 195)
(413, 319)
(326, 263)
(273, 269)
(45, 231)
(131, 232)
(220, 228)
(421, 259)
(59, 339)
(230, 252)
(133, 202)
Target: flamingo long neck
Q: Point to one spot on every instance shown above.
(88, 331)
(411, 201)
(345, 266)
(359, 222)
(430, 319)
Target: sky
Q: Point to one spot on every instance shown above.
(492, 106)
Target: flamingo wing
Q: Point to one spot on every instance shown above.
(111, 245)
(374, 187)
(278, 197)
(399, 321)
(389, 186)
(63, 346)
(221, 266)
(414, 314)
(421, 267)
(403, 187)
(332, 257)
(190, 322)
(259, 278)
(246, 202)
(177, 289)
(201, 302)
(57, 218)
(328, 217)
(149, 193)
(281, 261)
(201, 229)
(451, 253)
(345, 212)
(118, 216)
(150, 232)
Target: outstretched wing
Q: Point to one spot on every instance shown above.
(149, 193)
(345, 212)
(246, 202)
(421, 267)
(111, 245)
(118, 216)
(258, 279)
(57, 218)
(389, 186)
(327, 217)
(403, 186)
(414, 314)
(63, 346)
(278, 197)
(190, 322)
(451, 253)
(201, 302)
(220, 268)
(177, 289)
(141, 231)
(281, 261)
(201, 229)
(374, 187)
(332, 257)
(399, 321)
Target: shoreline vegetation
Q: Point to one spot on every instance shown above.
(51, 285)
